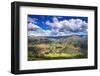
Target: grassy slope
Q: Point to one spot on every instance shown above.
(54, 51)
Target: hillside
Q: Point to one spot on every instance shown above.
(45, 47)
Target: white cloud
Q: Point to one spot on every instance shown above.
(55, 24)
(32, 26)
(72, 25)
(55, 19)
(35, 30)
(32, 20)
(59, 28)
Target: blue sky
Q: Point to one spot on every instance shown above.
(57, 25)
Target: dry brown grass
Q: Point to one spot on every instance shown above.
(42, 46)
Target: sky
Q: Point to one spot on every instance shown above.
(46, 25)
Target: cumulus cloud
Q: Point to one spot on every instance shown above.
(35, 30)
(32, 26)
(56, 23)
(58, 28)
(68, 26)
(32, 20)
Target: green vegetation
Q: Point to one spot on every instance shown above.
(63, 48)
